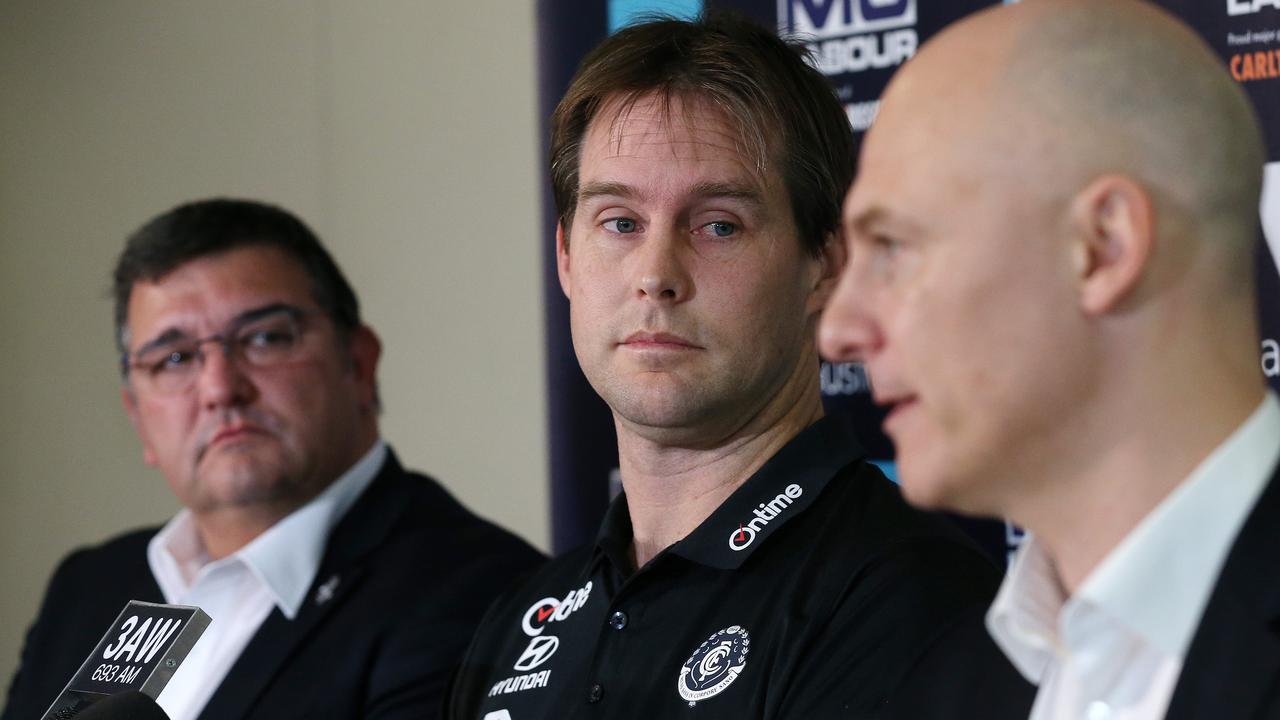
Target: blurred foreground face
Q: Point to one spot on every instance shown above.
(957, 293)
(691, 296)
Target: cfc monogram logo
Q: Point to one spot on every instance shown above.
(714, 665)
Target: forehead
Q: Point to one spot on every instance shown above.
(209, 291)
(657, 134)
(927, 150)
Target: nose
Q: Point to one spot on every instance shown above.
(222, 381)
(660, 269)
(848, 331)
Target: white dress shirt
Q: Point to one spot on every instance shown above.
(239, 591)
(1114, 650)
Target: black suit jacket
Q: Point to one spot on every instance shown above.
(1232, 667)
(411, 572)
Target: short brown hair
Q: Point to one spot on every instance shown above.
(783, 107)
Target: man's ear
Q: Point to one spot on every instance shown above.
(131, 409)
(562, 260)
(828, 266)
(1113, 235)
(366, 349)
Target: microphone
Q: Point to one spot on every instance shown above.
(139, 654)
(128, 705)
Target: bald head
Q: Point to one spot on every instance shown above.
(1052, 227)
(1069, 90)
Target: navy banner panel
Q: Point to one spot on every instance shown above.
(857, 44)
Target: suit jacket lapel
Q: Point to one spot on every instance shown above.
(1234, 658)
(361, 531)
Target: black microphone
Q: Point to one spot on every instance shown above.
(139, 654)
(128, 705)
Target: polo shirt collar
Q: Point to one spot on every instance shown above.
(773, 496)
(284, 559)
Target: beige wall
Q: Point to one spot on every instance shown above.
(404, 132)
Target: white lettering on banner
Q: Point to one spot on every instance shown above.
(742, 537)
(1271, 208)
(844, 378)
(1270, 358)
(824, 19)
(498, 715)
(865, 52)
(861, 115)
(1249, 7)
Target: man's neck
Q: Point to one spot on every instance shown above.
(223, 532)
(672, 489)
(1117, 478)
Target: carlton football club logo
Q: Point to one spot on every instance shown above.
(714, 665)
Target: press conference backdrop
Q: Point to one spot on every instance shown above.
(857, 44)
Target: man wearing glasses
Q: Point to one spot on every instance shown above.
(340, 585)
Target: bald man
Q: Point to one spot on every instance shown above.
(1050, 282)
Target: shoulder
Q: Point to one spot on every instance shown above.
(561, 583)
(425, 516)
(861, 525)
(423, 552)
(963, 673)
(122, 558)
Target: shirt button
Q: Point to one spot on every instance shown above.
(595, 693)
(1098, 710)
(618, 620)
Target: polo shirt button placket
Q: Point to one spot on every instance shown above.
(618, 620)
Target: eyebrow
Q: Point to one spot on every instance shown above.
(863, 222)
(174, 335)
(734, 191)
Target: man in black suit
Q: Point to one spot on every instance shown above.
(1051, 284)
(340, 585)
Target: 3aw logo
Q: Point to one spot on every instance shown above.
(741, 538)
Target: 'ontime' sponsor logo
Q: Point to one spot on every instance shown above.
(742, 537)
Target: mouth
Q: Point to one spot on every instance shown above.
(230, 434)
(897, 406)
(657, 341)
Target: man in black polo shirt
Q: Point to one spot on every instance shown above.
(755, 566)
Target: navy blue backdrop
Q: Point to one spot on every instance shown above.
(858, 44)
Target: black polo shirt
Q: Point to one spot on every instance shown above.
(807, 594)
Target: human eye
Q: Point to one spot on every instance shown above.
(721, 228)
(268, 338)
(277, 334)
(886, 244)
(168, 361)
(621, 225)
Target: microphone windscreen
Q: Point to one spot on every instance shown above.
(131, 705)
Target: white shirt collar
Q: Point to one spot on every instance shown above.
(1173, 556)
(284, 559)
